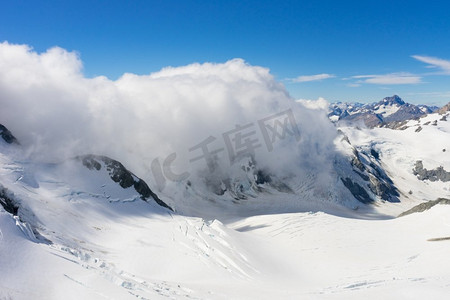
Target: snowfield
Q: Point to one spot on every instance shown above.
(312, 255)
(79, 235)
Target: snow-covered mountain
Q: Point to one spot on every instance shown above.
(96, 230)
(388, 110)
(414, 155)
(208, 181)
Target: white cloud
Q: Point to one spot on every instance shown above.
(434, 62)
(56, 112)
(393, 78)
(317, 77)
(319, 104)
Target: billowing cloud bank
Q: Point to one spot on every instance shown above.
(57, 112)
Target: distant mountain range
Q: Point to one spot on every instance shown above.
(378, 114)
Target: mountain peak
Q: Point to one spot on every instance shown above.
(393, 100)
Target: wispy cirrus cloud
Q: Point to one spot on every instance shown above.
(434, 62)
(392, 78)
(317, 77)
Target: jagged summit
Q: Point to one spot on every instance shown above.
(392, 101)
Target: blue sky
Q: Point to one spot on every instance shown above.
(339, 50)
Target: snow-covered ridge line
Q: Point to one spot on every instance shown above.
(117, 172)
(121, 175)
(388, 110)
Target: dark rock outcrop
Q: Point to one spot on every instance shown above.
(356, 161)
(425, 206)
(262, 177)
(121, 175)
(7, 135)
(357, 191)
(433, 175)
(7, 202)
(11, 205)
(375, 154)
(372, 178)
(383, 188)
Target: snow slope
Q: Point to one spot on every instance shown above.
(346, 258)
(116, 244)
(312, 255)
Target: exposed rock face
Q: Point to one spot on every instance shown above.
(363, 175)
(393, 100)
(247, 181)
(357, 191)
(356, 161)
(433, 175)
(374, 153)
(383, 187)
(406, 112)
(13, 206)
(7, 203)
(377, 180)
(444, 109)
(121, 175)
(7, 135)
(425, 206)
(369, 119)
